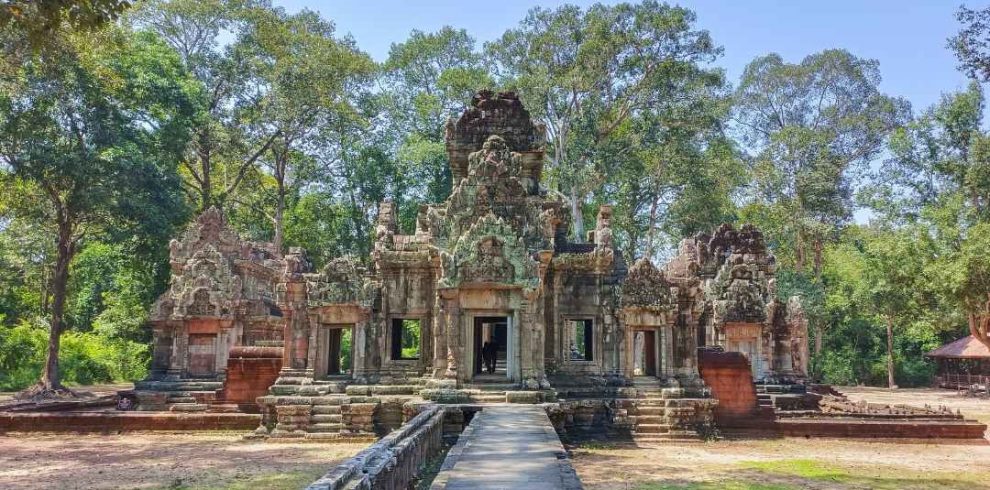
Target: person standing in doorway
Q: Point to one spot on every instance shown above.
(486, 352)
(492, 356)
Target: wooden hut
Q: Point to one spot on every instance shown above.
(962, 363)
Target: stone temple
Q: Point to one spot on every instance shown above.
(342, 350)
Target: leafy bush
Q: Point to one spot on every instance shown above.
(85, 358)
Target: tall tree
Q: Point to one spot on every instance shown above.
(302, 77)
(209, 37)
(810, 126)
(810, 129)
(426, 79)
(586, 73)
(96, 123)
(893, 268)
(41, 19)
(972, 44)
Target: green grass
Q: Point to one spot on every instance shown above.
(803, 468)
(793, 474)
(722, 484)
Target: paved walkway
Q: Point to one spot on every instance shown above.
(508, 447)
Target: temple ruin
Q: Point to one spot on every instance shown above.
(341, 350)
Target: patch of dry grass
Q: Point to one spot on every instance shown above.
(782, 464)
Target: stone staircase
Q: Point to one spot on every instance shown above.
(489, 392)
(188, 396)
(334, 408)
(656, 412)
(764, 403)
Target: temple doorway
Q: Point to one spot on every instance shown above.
(336, 344)
(202, 355)
(493, 331)
(744, 338)
(645, 353)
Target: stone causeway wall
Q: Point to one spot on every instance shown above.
(393, 461)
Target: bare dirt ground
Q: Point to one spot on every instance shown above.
(792, 463)
(154, 460)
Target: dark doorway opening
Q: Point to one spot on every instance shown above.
(645, 352)
(338, 351)
(583, 341)
(493, 332)
(406, 338)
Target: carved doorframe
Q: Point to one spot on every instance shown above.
(512, 350)
(322, 362)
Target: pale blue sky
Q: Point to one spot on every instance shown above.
(907, 37)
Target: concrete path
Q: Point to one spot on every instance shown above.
(508, 447)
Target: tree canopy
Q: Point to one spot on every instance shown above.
(119, 122)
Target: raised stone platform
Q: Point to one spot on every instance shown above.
(508, 447)
(882, 429)
(109, 422)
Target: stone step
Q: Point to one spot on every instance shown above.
(369, 390)
(224, 408)
(188, 407)
(322, 436)
(649, 419)
(180, 399)
(671, 402)
(652, 428)
(495, 387)
(326, 409)
(488, 397)
(326, 418)
(650, 410)
(178, 385)
(325, 427)
(312, 390)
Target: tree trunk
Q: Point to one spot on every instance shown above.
(577, 215)
(819, 339)
(819, 258)
(978, 326)
(205, 169)
(279, 207)
(651, 233)
(51, 377)
(890, 354)
(799, 255)
(279, 225)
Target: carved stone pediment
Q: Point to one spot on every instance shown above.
(646, 287)
(344, 280)
(490, 252)
(489, 264)
(739, 293)
(205, 287)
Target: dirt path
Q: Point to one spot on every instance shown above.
(162, 461)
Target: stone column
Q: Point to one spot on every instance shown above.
(452, 323)
(177, 358)
(439, 339)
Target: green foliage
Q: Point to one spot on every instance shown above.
(810, 127)
(633, 114)
(40, 19)
(299, 137)
(411, 332)
(86, 358)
